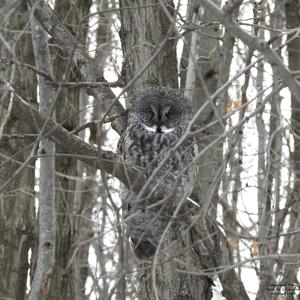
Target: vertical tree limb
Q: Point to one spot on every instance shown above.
(17, 204)
(46, 217)
(292, 243)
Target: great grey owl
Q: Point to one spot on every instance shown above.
(152, 143)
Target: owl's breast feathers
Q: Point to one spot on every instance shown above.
(155, 152)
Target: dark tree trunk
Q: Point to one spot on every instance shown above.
(143, 31)
(291, 269)
(17, 209)
(66, 282)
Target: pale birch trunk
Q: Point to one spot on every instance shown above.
(46, 213)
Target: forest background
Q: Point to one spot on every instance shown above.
(70, 69)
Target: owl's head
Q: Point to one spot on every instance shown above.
(162, 110)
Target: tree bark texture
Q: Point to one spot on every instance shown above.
(17, 209)
(67, 112)
(143, 30)
(292, 8)
(46, 214)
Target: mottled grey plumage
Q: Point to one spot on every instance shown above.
(158, 119)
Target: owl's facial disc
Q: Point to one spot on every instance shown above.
(160, 116)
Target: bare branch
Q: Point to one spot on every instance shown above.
(71, 144)
(90, 84)
(88, 69)
(254, 43)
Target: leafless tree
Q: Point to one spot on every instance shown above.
(70, 70)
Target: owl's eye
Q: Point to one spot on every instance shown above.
(149, 114)
(170, 114)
